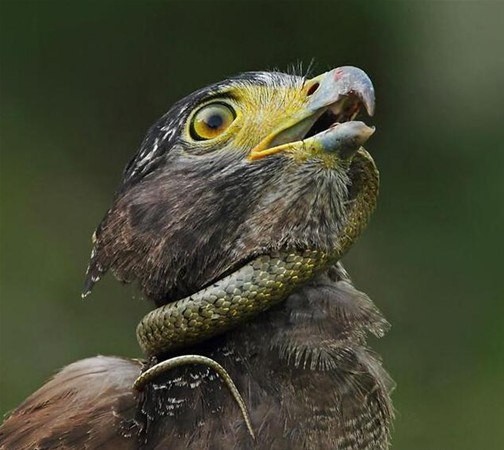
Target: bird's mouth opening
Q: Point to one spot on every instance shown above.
(345, 111)
(327, 122)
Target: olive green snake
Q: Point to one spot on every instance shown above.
(255, 287)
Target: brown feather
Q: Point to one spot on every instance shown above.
(87, 405)
(303, 369)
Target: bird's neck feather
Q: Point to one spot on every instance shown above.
(305, 358)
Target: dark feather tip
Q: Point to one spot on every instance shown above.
(91, 279)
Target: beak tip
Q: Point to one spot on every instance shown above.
(355, 80)
(362, 132)
(369, 104)
(370, 130)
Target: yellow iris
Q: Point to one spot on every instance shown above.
(211, 121)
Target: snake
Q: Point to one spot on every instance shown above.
(252, 289)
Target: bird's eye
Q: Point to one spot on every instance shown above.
(211, 121)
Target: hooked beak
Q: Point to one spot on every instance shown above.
(325, 123)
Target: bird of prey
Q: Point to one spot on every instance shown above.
(232, 218)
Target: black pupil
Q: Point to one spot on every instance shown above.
(214, 121)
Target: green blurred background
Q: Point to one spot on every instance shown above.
(82, 81)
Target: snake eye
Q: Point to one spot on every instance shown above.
(211, 121)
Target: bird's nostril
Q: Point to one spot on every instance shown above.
(312, 89)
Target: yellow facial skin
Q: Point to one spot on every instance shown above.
(266, 110)
(259, 110)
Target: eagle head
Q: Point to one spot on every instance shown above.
(258, 162)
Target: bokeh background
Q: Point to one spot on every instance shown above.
(82, 81)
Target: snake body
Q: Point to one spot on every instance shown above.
(259, 284)
(252, 289)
